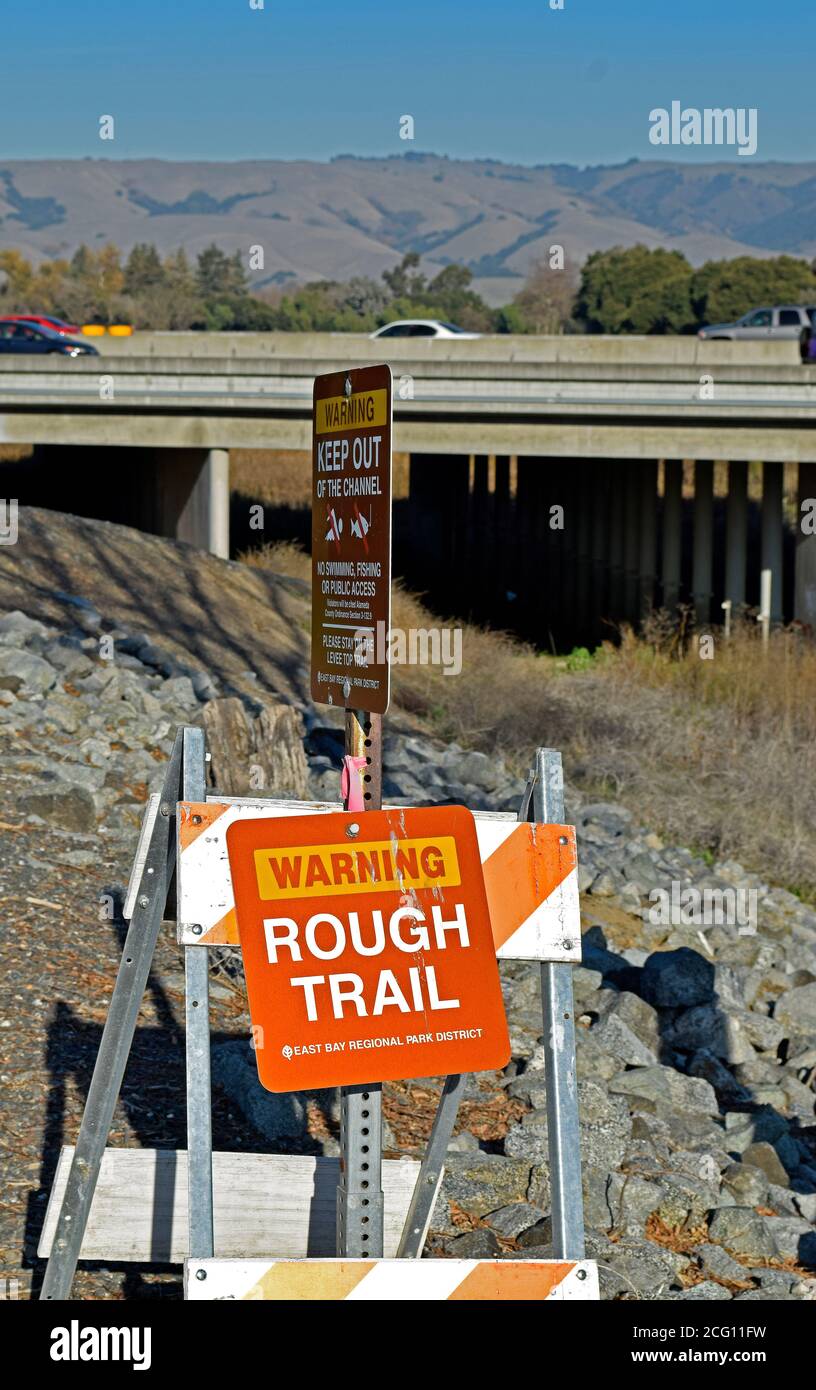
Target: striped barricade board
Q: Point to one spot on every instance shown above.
(392, 1281)
(530, 874)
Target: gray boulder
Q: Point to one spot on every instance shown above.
(510, 1221)
(765, 1033)
(796, 1011)
(536, 1236)
(716, 1261)
(638, 1016)
(68, 807)
(274, 1116)
(685, 1200)
(476, 769)
(481, 1183)
(677, 979)
(744, 1185)
(706, 1292)
(795, 1238)
(742, 1231)
(634, 1268)
(16, 629)
(616, 1037)
(594, 1063)
(615, 819)
(709, 1026)
(670, 1090)
(764, 1156)
(711, 1069)
(25, 674)
(631, 1199)
(479, 1244)
(605, 1129)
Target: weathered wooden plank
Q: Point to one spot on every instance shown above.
(264, 1204)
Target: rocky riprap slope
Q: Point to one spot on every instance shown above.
(696, 1044)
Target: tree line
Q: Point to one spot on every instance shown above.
(623, 290)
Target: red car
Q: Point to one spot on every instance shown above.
(58, 325)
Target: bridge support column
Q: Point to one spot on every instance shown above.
(617, 543)
(559, 540)
(532, 541)
(672, 531)
(438, 489)
(193, 497)
(631, 559)
(600, 550)
(499, 550)
(772, 481)
(736, 533)
(585, 474)
(703, 539)
(480, 573)
(805, 600)
(647, 563)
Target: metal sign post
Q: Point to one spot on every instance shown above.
(351, 612)
(197, 1019)
(359, 1193)
(563, 1135)
(117, 1035)
(430, 1173)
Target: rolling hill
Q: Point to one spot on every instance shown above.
(355, 216)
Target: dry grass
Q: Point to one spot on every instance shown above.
(681, 1239)
(283, 477)
(279, 478)
(719, 754)
(715, 754)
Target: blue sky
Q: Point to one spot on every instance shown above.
(215, 79)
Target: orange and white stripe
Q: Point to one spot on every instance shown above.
(530, 875)
(392, 1281)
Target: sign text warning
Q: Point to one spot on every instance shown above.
(356, 945)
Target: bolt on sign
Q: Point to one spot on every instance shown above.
(351, 537)
(367, 947)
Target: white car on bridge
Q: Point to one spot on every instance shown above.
(422, 328)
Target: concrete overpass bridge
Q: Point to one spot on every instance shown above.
(576, 422)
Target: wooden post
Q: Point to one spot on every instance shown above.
(359, 1195)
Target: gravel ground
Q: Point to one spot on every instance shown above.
(696, 1037)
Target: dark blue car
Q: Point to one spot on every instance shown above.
(34, 338)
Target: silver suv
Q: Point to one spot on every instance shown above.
(782, 321)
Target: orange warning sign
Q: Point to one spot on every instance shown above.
(367, 947)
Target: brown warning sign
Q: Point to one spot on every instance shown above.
(351, 538)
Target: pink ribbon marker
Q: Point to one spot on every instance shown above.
(351, 782)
